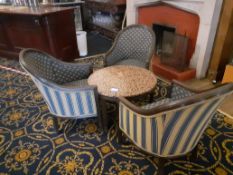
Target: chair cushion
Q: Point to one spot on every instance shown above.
(132, 62)
(76, 84)
(179, 92)
(155, 104)
(159, 97)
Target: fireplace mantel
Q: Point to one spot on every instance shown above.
(208, 12)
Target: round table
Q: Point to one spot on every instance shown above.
(126, 81)
(122, 80)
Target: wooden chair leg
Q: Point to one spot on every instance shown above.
(161, 163)
(119, 135)
(194, 153)
(56, 125)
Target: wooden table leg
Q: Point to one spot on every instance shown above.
(99, 115)
(104, 114)
(119, 134)
(151, 97)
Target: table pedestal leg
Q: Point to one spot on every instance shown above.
(104, 115)
(119, 134)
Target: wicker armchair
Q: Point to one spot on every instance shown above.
(134, 45)
(171, 127)
(63, 85)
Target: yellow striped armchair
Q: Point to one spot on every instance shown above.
(173, 126)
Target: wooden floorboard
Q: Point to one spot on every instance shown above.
(227, 105)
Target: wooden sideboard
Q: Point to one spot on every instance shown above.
(50, 29)
(105, 16)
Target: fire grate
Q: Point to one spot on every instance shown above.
(174, 50)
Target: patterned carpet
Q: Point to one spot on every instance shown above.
(30, 145)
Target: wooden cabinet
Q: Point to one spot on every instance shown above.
(106, 17)
(49, 29)
(4, 43)
(223, 45)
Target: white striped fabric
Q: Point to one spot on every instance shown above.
(77, 103)
(171, 133)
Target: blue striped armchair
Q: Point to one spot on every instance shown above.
(173, 126)
(63, 85)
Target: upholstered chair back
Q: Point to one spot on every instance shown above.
(174, 128)
(133, 45)
(45, 66)
(61, 84)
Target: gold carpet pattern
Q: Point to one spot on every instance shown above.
(29, 143)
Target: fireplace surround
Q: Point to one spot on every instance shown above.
(208, 12)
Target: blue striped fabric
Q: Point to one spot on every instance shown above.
(77, 103)
(171, 133)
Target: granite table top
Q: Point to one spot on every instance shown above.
(126, 81)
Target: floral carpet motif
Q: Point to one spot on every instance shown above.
(29, 143)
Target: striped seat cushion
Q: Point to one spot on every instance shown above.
(157, 103)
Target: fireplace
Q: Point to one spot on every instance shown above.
(170, 47)
(174, 51)
(200, 32)
(159, 30)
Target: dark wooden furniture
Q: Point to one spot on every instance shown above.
(111, 12)
(78, 10)
(50, 29)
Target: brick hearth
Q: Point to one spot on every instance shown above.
(171, 73)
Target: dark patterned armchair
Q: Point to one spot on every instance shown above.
(63, 85)
(172, 126)
(134, 45)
